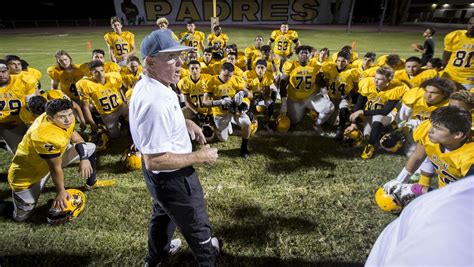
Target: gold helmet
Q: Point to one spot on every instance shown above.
(245, 105)
(355, 136)
(386, 202)
(283, 124)
(392, 142)
(133, 159)
(75, 205)
(260, 109)
(253, 127)
(208, 131)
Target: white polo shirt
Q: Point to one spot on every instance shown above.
(157, 123)
(436, 229)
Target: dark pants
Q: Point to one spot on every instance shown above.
(178, 202)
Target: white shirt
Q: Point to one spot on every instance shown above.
(157, 123)
(436, 229)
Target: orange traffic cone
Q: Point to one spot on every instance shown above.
(88, 45)
(353, 45)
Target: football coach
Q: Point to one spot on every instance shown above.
(163, 136)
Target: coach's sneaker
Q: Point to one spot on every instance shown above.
(368, 152)
(175, 245)
(215, 244)
(100, 183)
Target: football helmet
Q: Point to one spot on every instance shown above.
(244, 105)
(100, 138)
(283, 123)
(386, 202)
(75, 205)
(355, 136)
(208, 131)
(132, 159)
(393, 141)
(260, 108)
(253, 127)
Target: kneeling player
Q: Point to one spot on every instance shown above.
(224, 94)
(42, 152)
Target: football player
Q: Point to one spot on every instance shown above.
(25, 67)
(263, 90)
(232, 59)
(444, 140)
(341, 82)
(193, 87)
(252, 52)
(43, 152)
(427, 49)
(458, 56)
(377, 98)
(241, 60)
(419, 102)
(284, 38)
(121, 44)
(130, 75)
(218, 41)
(14, 91)
(366, 63)
(99, 54)
(348, 49)
(34, 107)
(103, 90)
(300, 90)
(163, 23)
(273, 63)
(393, 61)
(225, 94)
(207, 62)
(192, 38)
(15, 67)
(413, 75)
(435, 63)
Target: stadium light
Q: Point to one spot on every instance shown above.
(446, 5)
(471, 4)
(434, 5)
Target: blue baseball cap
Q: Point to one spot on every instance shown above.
(161, 41)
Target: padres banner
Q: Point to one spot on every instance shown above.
(134, 12)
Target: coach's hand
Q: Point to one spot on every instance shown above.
(195, 132)
(207, 154)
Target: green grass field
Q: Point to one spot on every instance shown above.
(300, 200)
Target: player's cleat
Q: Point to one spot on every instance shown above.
(244, 152)
(175, 245)
(339, 134)
(368, 152)
(100, 183)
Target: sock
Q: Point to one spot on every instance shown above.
(377, 130)
(92, 179)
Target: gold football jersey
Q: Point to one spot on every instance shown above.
(340, 83)
(67, 79)
(260, 88)
(195, 90)
(193, 39)
(251, 53)
(220, 40)
(283, 42)
(377, 99)
(460, 67)
(415, 99)
(106, 98)
(354, 57)
(302, 80)
(42, 140)
(13, 96)
(219, 90)
(382, 62)
(121, 43)
(450, 166)
(417, 80)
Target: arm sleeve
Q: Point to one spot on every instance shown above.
(384, 111)
(361, 100)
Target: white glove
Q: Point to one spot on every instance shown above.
(238, 97)
(392, 187)
(226, 101)
(406, 194)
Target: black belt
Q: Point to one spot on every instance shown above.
(186, 171)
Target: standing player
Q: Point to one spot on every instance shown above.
(378, 97)
(341, 82)
(121, 44)
(225, 93)
(413, 75)
(427, 50)
(14, 90)
(104, 92)
(44, 150)
(218, 41)
(284, 39)
(252, 52)
(192, 38)
(458, 56)
(300, 90)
